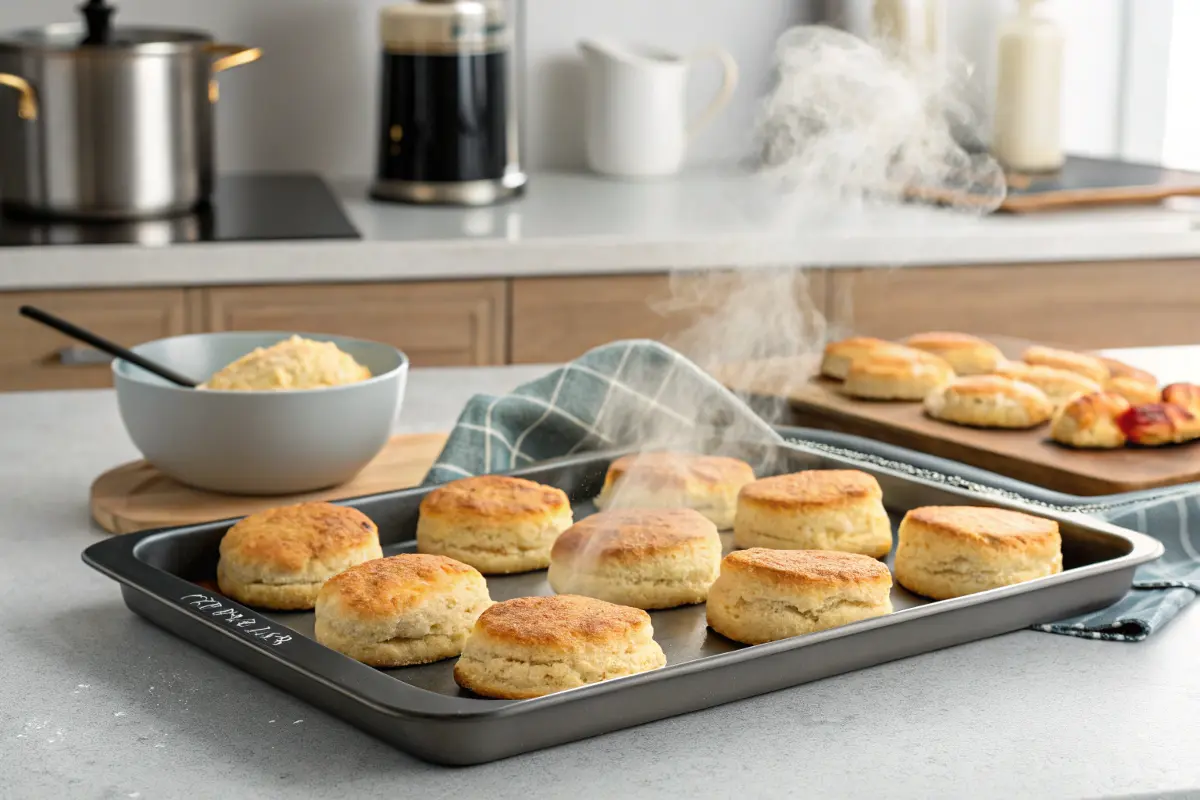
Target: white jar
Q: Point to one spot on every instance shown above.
(1027, 133)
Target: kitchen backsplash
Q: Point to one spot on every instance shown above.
(310, 103)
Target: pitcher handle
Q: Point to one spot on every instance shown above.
(27, 107)
(232, 55)
(729, 82)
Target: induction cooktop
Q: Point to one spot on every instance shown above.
(244, 207)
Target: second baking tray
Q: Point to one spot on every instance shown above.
(163, 576)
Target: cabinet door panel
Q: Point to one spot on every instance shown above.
(34, 357)
(436, 324)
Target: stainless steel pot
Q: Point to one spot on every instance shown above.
(121, 130)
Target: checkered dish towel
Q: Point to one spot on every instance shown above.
(638, 393)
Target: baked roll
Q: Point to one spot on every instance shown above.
(534, 646)
(1089, 367)
(905, 374)
(764, 595)
(1119, 369)
(966, 354)
(989, 401)
(1059, 385)
(1184, 395)
(495, 523)
(816, 509)
(1132, 389)
(644, 558)
(839, 355)
(407, 609)
(1155, 424)
(708, 484)
(951, 551)
(280, 557)
(1090, 421)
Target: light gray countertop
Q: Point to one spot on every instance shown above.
(578, 224)
(97, 702)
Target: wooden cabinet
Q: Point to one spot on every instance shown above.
(556, 319)
(1094, 305)
(35, 357)
(437, 324)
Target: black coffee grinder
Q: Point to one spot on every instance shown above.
(448, 129)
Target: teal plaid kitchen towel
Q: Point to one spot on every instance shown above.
(642, 393)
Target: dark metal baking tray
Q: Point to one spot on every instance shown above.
(422, 711)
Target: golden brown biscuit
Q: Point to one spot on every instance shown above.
(280, 557)
(1184, 395)
(1134, 390)
(839, 355)
(534, 646)
(1089, 367)
(708, 484)
(951, 551)
(495, 523)
(764, 595)
(828, 509)
(1090, 421)
(1119, 369)
(906, 374)
(1059, 385)
(644, 558)
(406, 609)
(989, 401)
(1155, 424)
(966, 354)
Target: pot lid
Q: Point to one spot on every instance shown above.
(70, 35)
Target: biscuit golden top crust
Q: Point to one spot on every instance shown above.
(996, 527)
(806, 567)
(1088, 366)
(945, 340)
(815, 487)
(990, 385)
(387, 587)
(664, 469)
(288, 537)
(633, 534)
(494, 496)
(564, 622)
(855, 344)
(1119, 369)
(1088, 409)
(1038, 374)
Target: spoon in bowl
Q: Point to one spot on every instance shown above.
(112, 348)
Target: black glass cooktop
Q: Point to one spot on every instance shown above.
(244, 207)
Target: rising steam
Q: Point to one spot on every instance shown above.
(845, 117)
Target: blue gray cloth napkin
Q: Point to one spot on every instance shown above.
(642, 393)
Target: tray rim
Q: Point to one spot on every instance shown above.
(388, 695)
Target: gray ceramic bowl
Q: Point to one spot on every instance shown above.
(262, 443)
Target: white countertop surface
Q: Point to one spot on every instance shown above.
(98, 703)
(576, 224)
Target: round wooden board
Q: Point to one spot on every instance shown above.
(137, 497)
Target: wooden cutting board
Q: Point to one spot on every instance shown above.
(137, 497)
(1028, 456)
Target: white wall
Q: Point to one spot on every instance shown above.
(311, 104)
(1092, 83)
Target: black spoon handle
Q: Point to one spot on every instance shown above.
(75, 332)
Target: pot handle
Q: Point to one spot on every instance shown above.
(27, 106)
(231, 55)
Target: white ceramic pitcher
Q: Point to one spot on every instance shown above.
(636, 119)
